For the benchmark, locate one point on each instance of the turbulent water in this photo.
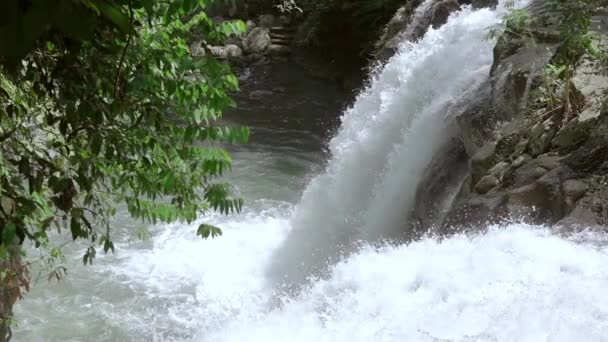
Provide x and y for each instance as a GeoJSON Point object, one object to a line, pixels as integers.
{"type": "Point", "coordinates": [324, 237]}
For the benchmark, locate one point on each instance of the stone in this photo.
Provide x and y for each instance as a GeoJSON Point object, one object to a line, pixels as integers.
{"type": "Point", "coordinates": [476, 213]}
{"type": "Point", "coordinates": [257, 41]}
{"type": "Point", "coordinates": [521, 160]}
{"type": "Point", "coordinates": [534, 169]}
{"type": "Point", "coordinates": [250, 25]}
{"type": "Point", "coordinates": [591, 83]}
{"type": "Point", "coordinates": [442, 10]}
{"type": "Point", "coordinates": [590, 212]}
{"type": "Point", "coordinates": [219, 52]}
{"type": "Point", "coordinates": [500, 170]}
{"type": "Point", "coordinates": [540, 137]}
{"type": "Point", "coordinates": [486, 184]}
{"type": "Point", "coordinates": [233, 51]}
{"type": "Point", "coordinates": [266, 20]}
{"type": "Point", "coordinates": [482, 161]}
{"type": "Point", "coordinates": [573, 190]}
{"type": "Point", "coordinates": [197, 49]}
{"type": "Point", "coordinates": [574, 133]}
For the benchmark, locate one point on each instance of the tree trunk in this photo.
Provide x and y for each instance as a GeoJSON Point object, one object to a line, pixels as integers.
{"type": "Point", "coordinates": [12, 279]}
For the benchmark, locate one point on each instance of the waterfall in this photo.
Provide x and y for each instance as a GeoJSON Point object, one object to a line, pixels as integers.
{"type": "Point", "coordinates": [387, 139]}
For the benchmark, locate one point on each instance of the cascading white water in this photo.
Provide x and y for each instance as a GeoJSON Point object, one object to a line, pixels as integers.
{"type": "Point", "coordinates": [386, 141]}
{"type": "Point", "coordinates": [514, 283]}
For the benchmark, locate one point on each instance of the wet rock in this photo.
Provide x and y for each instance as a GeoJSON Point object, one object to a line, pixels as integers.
{"type": "Point", "coordinates": [500, 170]}
{"type": "Point", "coordinates": [590, 212]}
{"type": "Point", "coordinates": [482, 161]}
{"type": "Point", "coordinates": [442, 10]}
{"type": "Point", "coordinates": [593, 153]}
{"type": "Point", "coordinates": [521, 160]}
{"type": "Point", "coordinates": [573, 190]}
{"type": "Point", "coordinates": [526, 175]}
{"type": "Point", "coordinates": [534, 169]}
{"type": "Point", "coordinates": [486, 184]}
{"type": "Point", "coordinates": [477, 212]}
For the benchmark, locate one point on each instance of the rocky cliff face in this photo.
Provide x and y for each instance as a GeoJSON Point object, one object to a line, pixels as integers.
{"type": "Point", "coordinates": [521, 160]}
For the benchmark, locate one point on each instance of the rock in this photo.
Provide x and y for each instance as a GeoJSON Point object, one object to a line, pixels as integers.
{"type": "Point", "coordinates": [388, 44]}
{"type": "Point", "coordinates": [476, 123]}
{"type": "Point", "coordinates": [527, 203]}
{"type": "Point", "coordinates": [250, 25]}
{"type": "Point", "coordinates": [482, 161]}
{"type": "Point", "coordinates": [573, 190]}
{"type": "Point", "coordinates": [477, 212]}
{"type": "Point", "coordinates": [535, 169]}
{"type": "Point", "coordinates": [541, 136]}
{"type": "Point", "coordinates": [520, 148]}
{"type": "Point", "coordinates": [591, 155]}
{"type": "Point", "coordinates": [499, 170]}
{"type": "Point", "coordinates": [442, 10]}
{"type": "Point", "coordinates": [521, 160]}
{"type": "Point", "coordinates": [257, 41]}
{"type": "Point", "coordinates": [233, 51]}
{"type": "Point", "coordinates": [591, 83]}
{"type": "Point", "coordinates": [197, 49]}
{"type": "Point", "coordinates": [266, 20]}
{"type": "Point", "coordinates": [573, 134]}
{"type": "Point", "coordinates": [527, 175]}
{"type": "Point", "coordinates": [486, 184]}
{"type": "Point", "coordinates": [590, 212]}
{"type": "Point", "coordinates": [229, 51]}
{"type": "Point", "coordinates": [260, 94]}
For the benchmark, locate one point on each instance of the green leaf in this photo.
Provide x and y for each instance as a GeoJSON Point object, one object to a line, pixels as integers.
{"type": "Point", "coordinates": [206, 230]}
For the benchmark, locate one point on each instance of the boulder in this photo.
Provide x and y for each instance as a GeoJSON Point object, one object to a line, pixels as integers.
{"type": "Point", "coordinates": [521, 160]}
{"type": "Point", "coordinates": [257, 41]}
{"type": "Point", "coordinates": [534, 169]}
{"type": "Point", "coordinates": [219, 52]}
{"type": "Point", "coordinates": [541, 135]}
{"type": "Point", "coordinates": [476, 213]}
{"type": "Point", "coordinates": [250, 25]}
{"type": "Point", "coordinates": [482, 161]}
{"type": "Point", "coordinates": [589, 212]}
{"type": "Point", "coordinates": [197, 49]}
{"type": "Point", "coordinates": [233, 51]}
{"type": "Point", "coordinates": [486, 184]}
{"type": "Point", "coordinates": [442, 10]}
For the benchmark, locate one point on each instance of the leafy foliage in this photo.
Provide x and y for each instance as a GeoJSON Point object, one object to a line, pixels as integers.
{"type": "Point", "coordinates": [102, 103]}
